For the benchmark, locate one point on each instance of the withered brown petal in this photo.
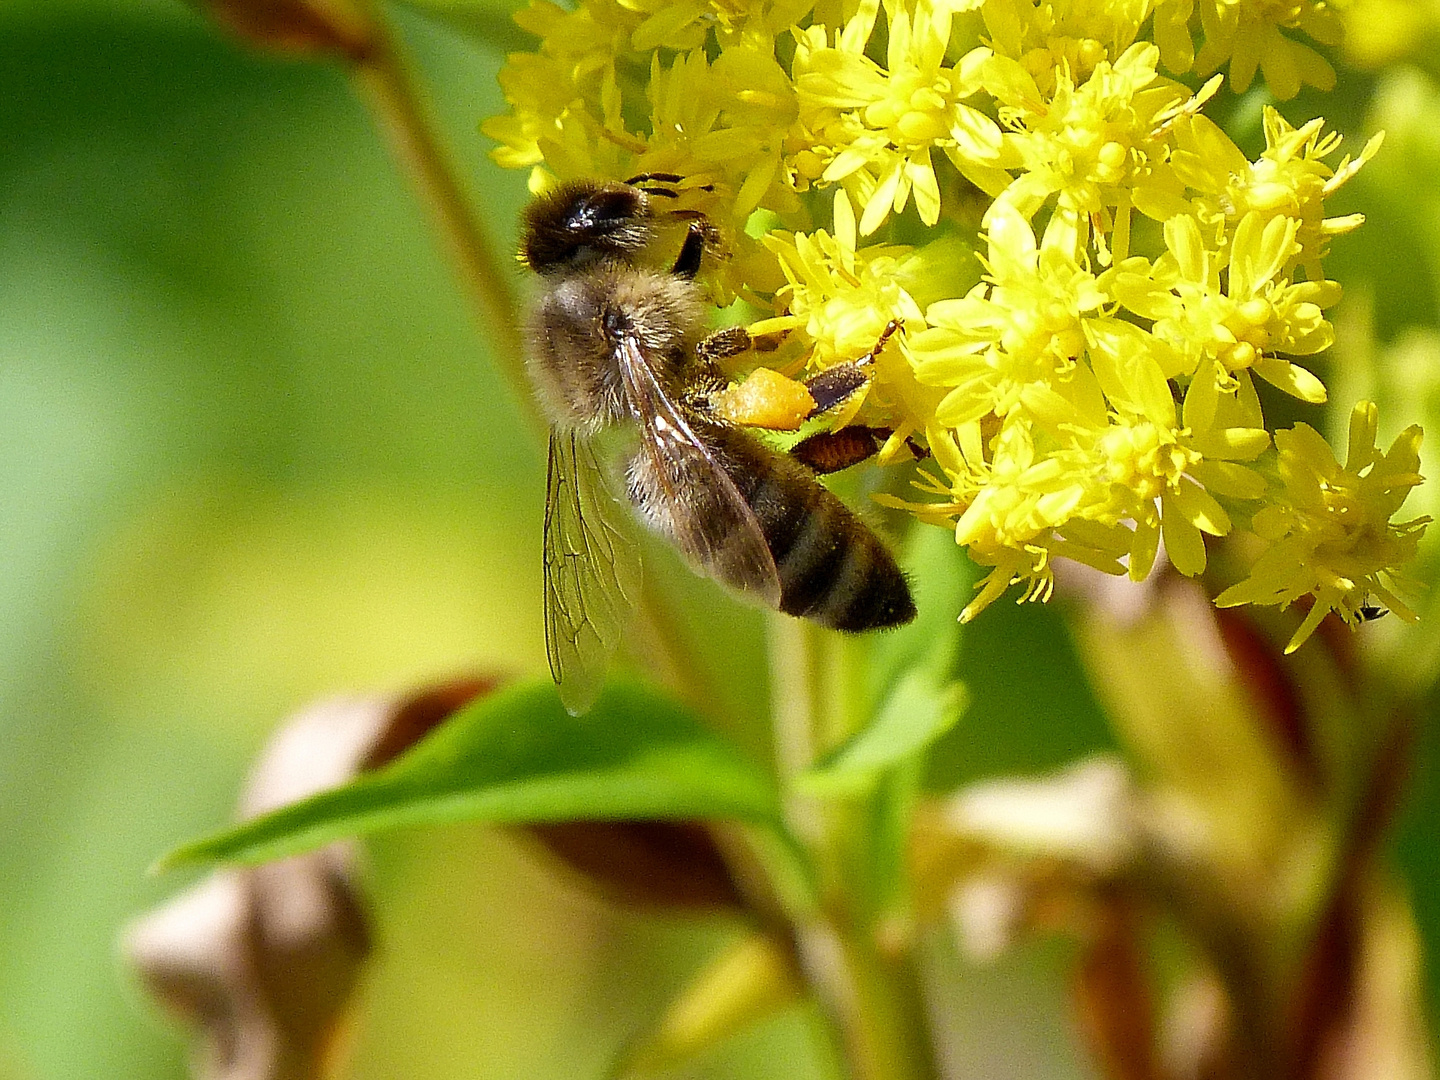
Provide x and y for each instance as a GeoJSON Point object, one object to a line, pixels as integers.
{"type": "Point", "coordinates": [420, 713]}
{"type": "Point", "coordinates": [1113, 995]}
{"type": "Point", "coordinates": [262, 960]}
{"type": "Point", "coordinates": [646, 864]}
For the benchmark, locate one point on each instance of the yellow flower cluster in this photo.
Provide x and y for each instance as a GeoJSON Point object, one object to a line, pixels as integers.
{"type": "Point", "coordinates": [1089, 273]}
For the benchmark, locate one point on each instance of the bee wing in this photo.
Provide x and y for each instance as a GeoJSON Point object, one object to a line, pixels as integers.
{"type": "Point", "coordinates": [591, 571]}
{"type": "Point", "coordinates": [708, 518]}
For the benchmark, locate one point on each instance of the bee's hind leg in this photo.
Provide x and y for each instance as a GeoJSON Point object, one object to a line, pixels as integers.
{"type": "Point", "coordinates": [831, 451]}
{"type": "Point", "coordinates": [708, 379]}
{"type": "Point", "coordinates": [836, 384]}
{"type": "Point", "coordinates": [722, 344]}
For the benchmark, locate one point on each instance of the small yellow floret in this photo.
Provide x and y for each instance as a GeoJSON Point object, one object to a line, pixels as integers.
{"type": "Point", "coordinates": [1331, 527]}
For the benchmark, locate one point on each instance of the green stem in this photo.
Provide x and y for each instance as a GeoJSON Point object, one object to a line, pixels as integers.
{"type": "Point", "coordinates": [871, 997]}
{"type": "Point", "coordinates": [793, 679]}
{"type": "Point", "coordinates": [383, 81]}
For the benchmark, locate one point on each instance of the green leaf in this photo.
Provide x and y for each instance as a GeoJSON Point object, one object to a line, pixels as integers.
{"type": "Point", "coordinates": [517, 757]}
{"type": "Point", "coordinates": [754, 978]}
{"type": "Point", "coordinates": [911, 677]}
{"type": "Point", "coordinates": [943, 578]}
{"type": "Point", "coordinates": [918, 711]}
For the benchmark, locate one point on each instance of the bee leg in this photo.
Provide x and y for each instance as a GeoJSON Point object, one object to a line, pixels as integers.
{"type": "Point", "coordinates": [706, 379]}
{"type": "Point", "coordinates": [769, 342]}
{"type": "Point", "coordinates": [731, 341]}
{"type": "Point", "coordinates": [892, 328]}
{"type": "Point", "coordinates": [836, 384]}
{"type": "Point", "coordinates": [687, 263]}
{"type": "Point", "coordinates": [831, 451]}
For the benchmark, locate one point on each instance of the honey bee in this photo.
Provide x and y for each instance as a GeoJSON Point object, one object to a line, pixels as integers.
{"type": "Point", "coordinates": [614, 343]}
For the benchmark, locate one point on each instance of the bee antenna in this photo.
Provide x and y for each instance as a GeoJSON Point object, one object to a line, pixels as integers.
{"type": "Point", "coordinates": [654, 177]}
{"type": "Point", "coordinates": [646, 182]}
{"type": "Point", "coordinates": [893, 327]}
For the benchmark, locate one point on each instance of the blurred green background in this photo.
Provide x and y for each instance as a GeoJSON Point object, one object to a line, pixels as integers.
{"type": "Point", "coordinates": [253, 451]}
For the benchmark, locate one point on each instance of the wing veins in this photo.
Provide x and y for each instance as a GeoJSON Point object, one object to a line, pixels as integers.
{"type": "Point", "coordinates": [586, 563]}
{"type": "Point", "coordinates": [742, 558]}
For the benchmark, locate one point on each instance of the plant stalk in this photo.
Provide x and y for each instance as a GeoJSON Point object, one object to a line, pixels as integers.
{"type": "Point", "coordinates": [870, 996]}
{"type": "Point", "coordinates": [383, 81]}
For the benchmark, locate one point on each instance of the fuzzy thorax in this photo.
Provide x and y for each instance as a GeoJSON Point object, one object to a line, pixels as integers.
{"type": "Point", "coordinates": [576, 332]}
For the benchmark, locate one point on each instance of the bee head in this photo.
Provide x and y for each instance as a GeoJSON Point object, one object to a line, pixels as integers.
{"type": "Point", "coordinates": [582, 222]}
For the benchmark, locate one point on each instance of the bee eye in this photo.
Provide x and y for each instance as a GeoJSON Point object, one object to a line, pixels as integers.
{"type": "Point", "coordinates": [583, 222]}
{"type": "Point", "coordinates": [603, 213]}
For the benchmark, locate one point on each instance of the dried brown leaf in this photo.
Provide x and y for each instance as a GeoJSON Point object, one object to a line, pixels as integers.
{"type": "Point", "coordinates": [645, 864]}
{"type": "Point", "coordinates": [262, 960]}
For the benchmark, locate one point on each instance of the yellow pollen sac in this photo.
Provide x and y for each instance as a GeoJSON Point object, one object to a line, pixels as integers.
{"type": "Point", "coordinates": [882, 114]}
{"type": "Point", "coordinates": [1175, 463]}
{"type": "Point", "coordinates": [1038, 61]}
{"type": "Point", "coordinates": [766, 399]}
{"type": "Point", "coordinates": [1055, 317]}
{"type": "Point", "coordinates": [1119, 463]}
{"type": "Point", "coordinates": [1090, 53]}
{"type": "Point", "coordinates": [927, 99]}
{"type": "Point", "coordinates": [1270, 196]}
{"type": "Point", "coordinates": [921, 127]}
{"type": "Point", "coordinates": [1240, 355]}
{"type": "Point", "coordinates": [1255, 311]}
{"type": "Point", "coordinates": [760, 99]}
{"type": "Point", "coordinates": [1124, 474]}
{"type": "Point", "coordinates": [1112, 157]}
{"type": "Point", "coordinates": [1257, 336]}
{"type": "Point", "coordinates": [809, 164]}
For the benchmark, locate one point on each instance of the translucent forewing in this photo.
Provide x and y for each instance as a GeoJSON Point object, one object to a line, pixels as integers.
{"type": "Point", "coordinates": [703, 511]}
{"type": "Point", "coordinates": [591, 571]}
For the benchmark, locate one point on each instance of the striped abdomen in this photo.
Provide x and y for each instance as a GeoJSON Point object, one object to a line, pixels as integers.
{"type": "Point", "coordinates": [833, 569]}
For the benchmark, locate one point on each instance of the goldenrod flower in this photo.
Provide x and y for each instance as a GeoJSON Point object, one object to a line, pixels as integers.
{"type": "Point", "coordinates": [1247, 34]}
{"type": "Point", "coordinates": [1290, 178]}
{"type": "Point", "coordinates": [1021, 330]}
{"type": "Point", "coordinates": [1329, 527]}
{"type": "Point", "coordinates": [875, 127]}
{"type": "Point", "coordinates": [1086, 145]}
{"type": "Point", "coordinates": [685, 24]}
{"type": "Point", "coordinates": [1250, 321]}
{"type": "Point", "coordinates": [979, 172]}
